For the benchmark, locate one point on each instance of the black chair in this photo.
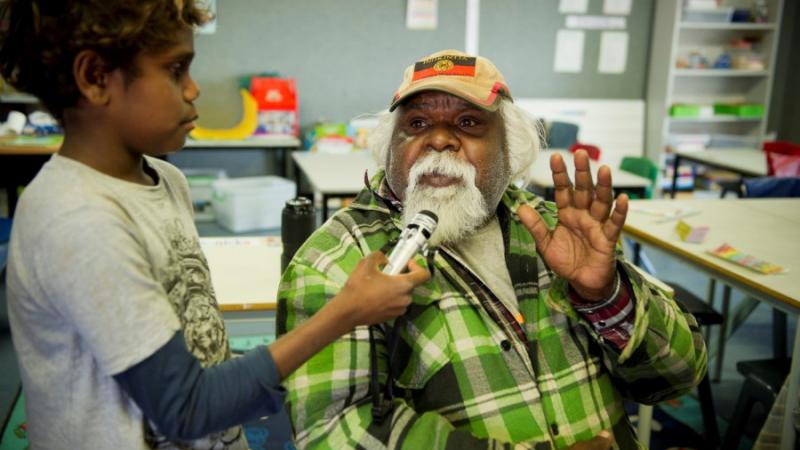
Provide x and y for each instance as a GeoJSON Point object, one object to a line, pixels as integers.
{"type": "Point", "coordinates": [705, 316]}
{"type": "Point", "coordinates": [762, 381]}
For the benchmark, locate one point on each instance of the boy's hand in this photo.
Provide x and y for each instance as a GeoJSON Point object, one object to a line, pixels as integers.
{"type": "Point", "coordinates": [371, 297]}
{"type": "Point", "coordinates": [602, 441]}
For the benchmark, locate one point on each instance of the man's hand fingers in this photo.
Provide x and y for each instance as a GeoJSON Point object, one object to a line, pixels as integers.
{"type": "Point", "coordinates": [561, 182]}
{"type": "Point", "coordinates": [603, 195]}
{"type": "Point", "coordinates": [584, 187]}
{"type": "Point", "coordinates": [613, 226]}
{"type": "Point", "coordinates": [534, 223]}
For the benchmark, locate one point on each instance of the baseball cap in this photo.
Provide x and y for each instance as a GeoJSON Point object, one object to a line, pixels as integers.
{"type": "Point", "coordinates": [473, 78]}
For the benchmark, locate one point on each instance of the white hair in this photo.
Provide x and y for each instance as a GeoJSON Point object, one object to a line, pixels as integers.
{"type": "Point", "coordinates": [523, 138]}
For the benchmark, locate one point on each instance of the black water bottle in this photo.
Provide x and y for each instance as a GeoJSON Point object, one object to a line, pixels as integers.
{"type": "Point", "coordinates": [297, 224]}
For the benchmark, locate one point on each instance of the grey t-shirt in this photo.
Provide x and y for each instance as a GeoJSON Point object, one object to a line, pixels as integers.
{"type": "Point", "coordinates": [101, 273]}
{"type": "Point", "coordinates": [484, 253]}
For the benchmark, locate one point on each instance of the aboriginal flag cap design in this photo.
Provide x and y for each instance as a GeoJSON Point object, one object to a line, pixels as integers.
{"type": "Point", "coordinates": [473, 78]}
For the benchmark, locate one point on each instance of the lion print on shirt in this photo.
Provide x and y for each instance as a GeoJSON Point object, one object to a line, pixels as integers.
{"type": "Point", "coordinates": [187, 281]}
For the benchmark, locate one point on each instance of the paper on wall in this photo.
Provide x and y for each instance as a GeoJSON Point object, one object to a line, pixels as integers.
{"type": "Point", "coordinates": [209, 27]}
{"type": "Point", "coordinates": [573, 6]}
{"type": "Point", "coordinates": [569, 51]}
{"type": "Point", "coordinates": [613, 52]}
{"type": "Point", "coordinates": [621, 7]}
{"type": "Point", "coordinates": [422, 14]}
{"type": "Point", "coordinates": [596, 22]}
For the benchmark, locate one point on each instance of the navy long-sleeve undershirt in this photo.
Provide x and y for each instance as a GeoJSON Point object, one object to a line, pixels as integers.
{"type": "Point", "coordinates": [186, 401]}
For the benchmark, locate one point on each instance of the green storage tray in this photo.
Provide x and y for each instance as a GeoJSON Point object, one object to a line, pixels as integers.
{"type": "Point", "coordinates": [682, 110]}
{"type": "Point", "coordinates": [739, 109]}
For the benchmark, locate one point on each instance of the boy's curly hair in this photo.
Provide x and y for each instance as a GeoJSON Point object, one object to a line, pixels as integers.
{"type": "Point", "coordinates": [40, 39]}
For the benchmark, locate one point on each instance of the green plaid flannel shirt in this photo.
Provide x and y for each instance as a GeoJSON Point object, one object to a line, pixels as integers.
{"type": "Point", "coordinates": [465, 380]}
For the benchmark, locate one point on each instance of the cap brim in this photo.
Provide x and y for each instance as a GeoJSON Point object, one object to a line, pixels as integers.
{"type": "Point", "coordinates": [458, 88]}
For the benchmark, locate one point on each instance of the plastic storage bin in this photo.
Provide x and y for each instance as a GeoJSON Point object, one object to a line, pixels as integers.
{"type": "Point", "coordinates": [718, 15]}
{"type": "Point", "coordinates": [251, 203]}
{"type": "Point", "coordinates": [689, 110]}
{"type": "Point", "coordinates": [751, 110]}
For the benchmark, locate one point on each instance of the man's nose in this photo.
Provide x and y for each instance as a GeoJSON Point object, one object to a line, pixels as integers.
{"type": "Point", "coordinates": [442, 139]}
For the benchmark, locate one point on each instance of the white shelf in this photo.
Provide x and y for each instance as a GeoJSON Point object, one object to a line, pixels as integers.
{"type": "Point", "coordinates": [673, 38]}
{"type": "Point", "coordinates": [720, 73]}
{"type": "Point", "coordinates": [727, 26]}
{"type": "Point", "coordinates": [715, 119]}
{"type": "Point", "coordinates": [18, 98]}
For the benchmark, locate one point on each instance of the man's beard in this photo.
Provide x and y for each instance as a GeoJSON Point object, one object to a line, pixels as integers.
{"type": "Point", "coordinates": [461, 207]}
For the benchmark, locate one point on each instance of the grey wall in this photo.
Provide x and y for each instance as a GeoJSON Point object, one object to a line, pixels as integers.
{"type": "Point", "coordinates": [784, 111]}
{"type": "Point", "coordinates": [519, 36]}
{"type": "Point", "coordinates": [348, 55]}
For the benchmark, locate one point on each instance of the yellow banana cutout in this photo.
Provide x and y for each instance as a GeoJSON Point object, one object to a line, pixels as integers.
{"type": "Point", "coordinates": [244, 129]}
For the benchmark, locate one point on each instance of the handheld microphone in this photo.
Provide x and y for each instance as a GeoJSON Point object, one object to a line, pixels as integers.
{"type": "Point", "coordinates": [412, 240]}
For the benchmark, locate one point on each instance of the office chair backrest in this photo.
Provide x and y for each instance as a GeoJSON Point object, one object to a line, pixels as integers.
{"type": "Point", "coordinates": [772, 187]}
{"type": "Point", "coordinates": [644, 167]}
{"type": "Point", "coordinates": [592, 150]}
{"type": "Point", "coordinates": [562, 135]}
{"type": "Point", "coordinates": [783, 158]}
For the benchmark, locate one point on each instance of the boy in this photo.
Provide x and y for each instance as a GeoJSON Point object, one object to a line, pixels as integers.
{"type": "Point", "coordinates": [119, 337]}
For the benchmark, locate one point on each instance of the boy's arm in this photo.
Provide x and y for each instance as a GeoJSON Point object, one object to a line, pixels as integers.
{"type": "Point", "coordinates": [368, 297]}
{"type": "Point", "coordinates": [186, 401]}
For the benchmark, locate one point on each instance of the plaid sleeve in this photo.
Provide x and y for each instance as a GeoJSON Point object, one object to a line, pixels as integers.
{"type": "Point", "coordinates": [612, 318]}
{"type": "Point", "coordinates": [666, 354]}
{"type": "Point", "coordinates": [329, 397]}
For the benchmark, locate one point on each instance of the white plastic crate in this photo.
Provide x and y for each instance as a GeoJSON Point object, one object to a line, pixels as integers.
{"type": "Point", "coordinates": [718, 15]}
{"type": "Point", "coordinates": [251, 203]}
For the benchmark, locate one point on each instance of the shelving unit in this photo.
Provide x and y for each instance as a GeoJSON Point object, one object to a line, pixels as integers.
{"type": "Point", "coordinates": [668, 85]}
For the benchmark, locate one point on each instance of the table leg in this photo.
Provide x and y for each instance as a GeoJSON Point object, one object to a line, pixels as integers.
{"type": "Point", "coordinates": [712, 288]}
{"type": "Point", "coordinates": [778, 333]}
{"type": "Point", "coordinates": [12, 199]}
{"type": "Point", "coordinates": [723, 330]}
{"type": "Point", "coordinates": [645, 424]}
{"type": "Point", "coordinates": [675, 161]}
{"type": "Point", "coordinates": [325, 199]}
{"type": "Point", "coordinates": [788, 433]}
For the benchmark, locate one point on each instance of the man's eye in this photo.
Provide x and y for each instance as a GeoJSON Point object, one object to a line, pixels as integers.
{"type": "Point", "coordinates": [467, 122]}
{"type": "Point", "coordinates": [417, 123]}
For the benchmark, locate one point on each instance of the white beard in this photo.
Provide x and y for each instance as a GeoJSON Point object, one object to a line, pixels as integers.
{"type": "Point", "coordinates": [461, 207]}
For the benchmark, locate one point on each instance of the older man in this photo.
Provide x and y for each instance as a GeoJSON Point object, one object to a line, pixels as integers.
{"type": "Point", "coordinates": [532, 328]}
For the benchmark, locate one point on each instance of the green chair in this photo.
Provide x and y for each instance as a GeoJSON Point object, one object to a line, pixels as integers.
{"type": "Point", "coordinates": [643, 167]}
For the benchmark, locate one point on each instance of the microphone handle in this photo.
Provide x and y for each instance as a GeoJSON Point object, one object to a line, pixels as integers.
{"type": "Point", "coordinates": [405, 250]}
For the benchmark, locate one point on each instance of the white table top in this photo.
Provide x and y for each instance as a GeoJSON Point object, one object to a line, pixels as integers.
{"type": "Point", "coordinates": [336, 173]}
{"type": "Point", "coordinates": [764, 228]}
{"type": "Point", "coordinates": [245, 271]}
{"type": "Point", "coordinates": [261, 141]}
{"type": "Point", "coordinates": [746, 161]}
{"type": "Point", "coordinates": [541, 176]}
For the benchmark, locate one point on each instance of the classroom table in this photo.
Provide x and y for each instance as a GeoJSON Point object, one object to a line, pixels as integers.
{"type": "Point", "coordinates": [245, 273]}
{"type": "Point", "coordinates": [267, 143]}
{"type": "Point", "coordinates": [334, 175]}
{"type": "Point", "coordinates": [540, 175]}
{"type": "Point", "coordinates": [764, 228]}
{"type": "Point", "coordinates": [746, 162]}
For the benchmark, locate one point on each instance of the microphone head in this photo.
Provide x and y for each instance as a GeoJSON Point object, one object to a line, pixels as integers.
{"type": "Point", "coordinates": [430, 214]}
{"type": "Point", "coordinates": [426, 221]}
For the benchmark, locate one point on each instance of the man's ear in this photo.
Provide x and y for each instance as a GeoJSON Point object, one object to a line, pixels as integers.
{"type": "Point", "coordinates": [92, 75]}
